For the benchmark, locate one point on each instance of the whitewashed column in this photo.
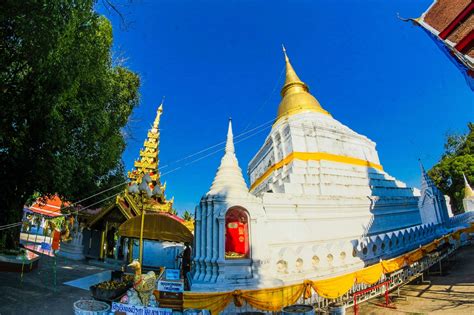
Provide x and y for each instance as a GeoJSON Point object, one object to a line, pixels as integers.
{"type": "Point", "coordinates": [210, 209]}
{"type": "Point", "coordinates": [203, 240]}
{"type": "Point", "coordinates": [221, 248]}
{"type": "Point", "coordinates": [215, 247]}
{"type": "Point", "coordinates": [197, 242]}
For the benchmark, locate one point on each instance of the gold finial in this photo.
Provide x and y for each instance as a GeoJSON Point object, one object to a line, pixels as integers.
{"type": "Point", "coordinates": [158, 115]}
{"type": "Point", "coordinates": [291, 77]}
{"type": "Point", "coordinates": [295, 94]}
{"type": "Point", "coordinates": [284, 52]}
{"type": "Point", "coordinates": [160, 108]}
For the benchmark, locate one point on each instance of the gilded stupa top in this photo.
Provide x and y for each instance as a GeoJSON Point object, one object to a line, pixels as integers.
{"type": "Point", "coordinates": [295, 95]}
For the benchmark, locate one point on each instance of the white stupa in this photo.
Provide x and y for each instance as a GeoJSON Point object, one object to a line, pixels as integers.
{"type": "Point", "coordinates": [319, 204]}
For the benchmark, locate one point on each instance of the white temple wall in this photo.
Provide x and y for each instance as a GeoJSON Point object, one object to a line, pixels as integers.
{"type": "Point", "coordinates": [296, 262]}
{"type": "Point", "coordinates": [211, 268]}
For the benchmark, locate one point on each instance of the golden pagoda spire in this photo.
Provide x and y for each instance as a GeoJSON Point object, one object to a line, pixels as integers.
{"type": "Point", "coordinates": [291, 77]}
{"type": "Point", "coordinates": [148, 161]}
{"type": "Point", "coordinates": [295, 94]}
{"type": "Point", "coordinates": [158, 115]}
{"type": "Point", "coordinates": [146, 173]}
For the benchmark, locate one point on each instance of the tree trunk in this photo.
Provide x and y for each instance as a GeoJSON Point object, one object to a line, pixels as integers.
{"type": "Point", "coordinates": [11, 212]}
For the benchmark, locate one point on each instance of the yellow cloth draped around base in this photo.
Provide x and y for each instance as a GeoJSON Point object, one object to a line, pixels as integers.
{"type": "Point", "coordinates": [369, 275]}
{"type": "Point", "coordinates": [393, 264]}
{"type": "Point", "coordinates": [214, 302]}
{"type": "Point", "coordinates": [430, 247]}
{"type": "Point", "coordinates": [456, 235]}
{"type": "Point", "coordinates": [334, 287]}
{"type": "Point", "coordinates": [414, 256]}
{"type": "Point", "coordinates": [273, 299]}
{"type": "Point", "coordinates": [469, 229]}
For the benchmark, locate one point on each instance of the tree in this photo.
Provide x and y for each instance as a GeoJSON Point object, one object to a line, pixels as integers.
{"type": "Point", "coordinates": [187, 216]}
{"type": "Point", "coordinates": [63, 103]}
{"type": "Point", "coordinates": [457, 159]}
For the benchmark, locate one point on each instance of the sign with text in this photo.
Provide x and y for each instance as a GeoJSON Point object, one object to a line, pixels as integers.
{"type": "Point", "coordinates": [140, 310]}
{"type": "Point", "coordinates": [170, 286]}
{"type": "Point", "coordinates": [172, 274]}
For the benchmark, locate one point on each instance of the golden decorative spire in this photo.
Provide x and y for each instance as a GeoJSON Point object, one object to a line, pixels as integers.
{"type": "Point", "coordinates": [295, 95]}
{"type": "Point", "coordinates": [291, 77]}
{"type": "Point", "coordinates": [148, 161]}
{"type": "Point", "coordinates": [147, 164]}
{"type": "Point", "coordinates": [158, 115]}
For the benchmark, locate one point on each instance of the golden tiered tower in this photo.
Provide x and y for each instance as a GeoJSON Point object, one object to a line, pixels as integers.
{"type": "Point", "coordinates": [131, 202]}
{"type": "Point", "coordinates": [148, 164]}
{"type": "Point", "coordinates": [143, 195]}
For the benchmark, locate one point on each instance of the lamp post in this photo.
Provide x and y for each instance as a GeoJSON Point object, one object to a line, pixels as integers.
{"type": "Point", "coordinates": [143, 189]}
{"type": "Point", "coordinates": [141, 231]}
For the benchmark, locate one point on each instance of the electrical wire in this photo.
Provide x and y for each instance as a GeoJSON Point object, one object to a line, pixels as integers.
{"type": "Point", "coordinates": [263, 125]}
{"type": "Point", "coordinates": [275, 86]}
{"type": "Point", "coordinates": [214, 152]}
{"type": "Point", "coordinates": [4, 227]}
{"type": "Point", "coordinates": [100, 201]}
{"type": "Point", "coordinates": [99, 193]}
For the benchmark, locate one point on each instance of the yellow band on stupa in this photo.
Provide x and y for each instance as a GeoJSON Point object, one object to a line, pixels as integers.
{"type": "Point", "coordinates": [314, 156]}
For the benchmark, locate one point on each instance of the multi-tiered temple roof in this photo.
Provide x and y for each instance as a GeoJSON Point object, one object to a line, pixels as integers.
{"type": "Point", "coordinates": [145, 172]}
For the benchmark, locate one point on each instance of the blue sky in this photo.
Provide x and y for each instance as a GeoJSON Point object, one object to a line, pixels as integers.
{"type": "Point", "coordinates": [217, 59]}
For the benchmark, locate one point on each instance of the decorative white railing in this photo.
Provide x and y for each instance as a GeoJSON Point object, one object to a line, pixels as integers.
{"type": "Point", "coordinates": [395, 279]}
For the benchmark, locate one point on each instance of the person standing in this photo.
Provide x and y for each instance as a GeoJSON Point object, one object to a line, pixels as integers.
{"type": "Point", "coordinates": [186, 264]}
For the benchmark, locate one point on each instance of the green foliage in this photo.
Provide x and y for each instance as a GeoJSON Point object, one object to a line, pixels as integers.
{"type": "Point", "coordinates": [187, 216]}
{"type": "Point", "coordinates": [457, 159]}
{"type": "Point", "coordinates": [63, 102]}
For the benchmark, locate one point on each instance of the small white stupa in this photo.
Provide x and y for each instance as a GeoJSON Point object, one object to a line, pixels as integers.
{"type": "Point", "coordinates": [228, 193]}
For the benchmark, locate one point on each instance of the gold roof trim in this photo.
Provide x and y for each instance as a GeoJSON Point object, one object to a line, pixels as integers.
{"type": "Point", "coordinates": [161, 227]}
{"type": "Point", "coordinates": [110, 207]}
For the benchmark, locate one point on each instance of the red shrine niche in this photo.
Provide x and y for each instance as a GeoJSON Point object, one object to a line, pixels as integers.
{"type": "Point", "coordinates": [236, 234]}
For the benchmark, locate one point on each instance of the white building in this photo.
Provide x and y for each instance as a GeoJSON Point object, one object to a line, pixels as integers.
{"type": "Point", "coordinates": [319, 204]}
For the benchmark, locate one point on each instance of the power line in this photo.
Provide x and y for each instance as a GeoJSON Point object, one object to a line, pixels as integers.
{"type": "Point", "coordinates": [263, 125]}
{"type": "Point", "coordinates": [214, 152]}
{"type": "Point", "coordinates": [9, 226]}
{"type": "Point", "coordinates": [107, 198]}
{"type": "Point", "coordinates": [275, 86]}
{"type": "Point", "coordinates": [99, 193]}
